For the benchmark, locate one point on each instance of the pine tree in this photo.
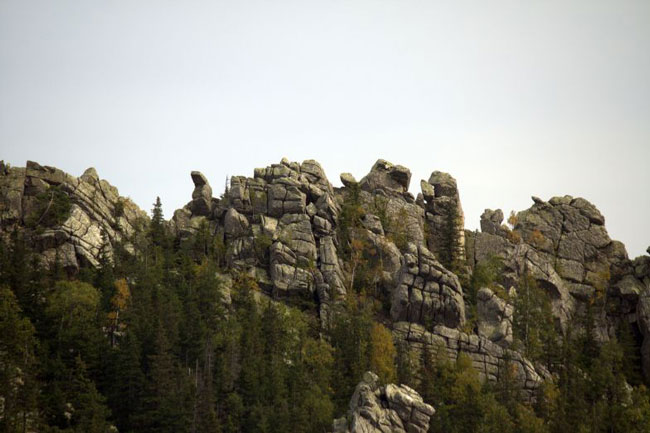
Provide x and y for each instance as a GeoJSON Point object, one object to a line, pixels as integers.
{"type": "Point", "coordinates": [87, 409]}
{"type": "Point", "coordinates": [18, 385]}
{"type": "Point", "coordinates": [157, 227]}
{"type": "Point", "coordinates": [126, 388]}
{"type": "Point", "coordinates": [168, 394]}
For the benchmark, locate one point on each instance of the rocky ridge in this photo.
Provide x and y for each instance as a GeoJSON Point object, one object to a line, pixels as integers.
{"type": "Point", "coordinates": [281, 226]}
{"type": "Point", "coordinates": [96, 217]}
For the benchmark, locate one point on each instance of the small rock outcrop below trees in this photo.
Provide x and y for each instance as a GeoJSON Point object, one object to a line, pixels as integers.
{"type": "Point", "coordinates": [383, 409]}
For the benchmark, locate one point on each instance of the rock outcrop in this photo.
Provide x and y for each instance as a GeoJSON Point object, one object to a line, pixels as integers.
{"type": "Point", "coordinates": [426, 292]}
{"type": "Point", "coordinates": [563, 244]}
{"type": "Point", "coordinates": [494, 317]}
{"type": "Point", "coordinates": [488, 358]}
{"type": "Point", "coordinates": [283, 226]}
{"type": "Point", "coordinates": [279, 225]}
{"type": "Point", "coordinates": [68, 220]}
{"type": "Point", "coordinates": [382, 409]}
{"type": "Point", "coordinates": [445, 217]}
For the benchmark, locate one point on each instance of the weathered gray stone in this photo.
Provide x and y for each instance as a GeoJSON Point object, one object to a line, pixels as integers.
{"type": "Point", "coordinates": [235, 224]}
{"type": "Point", "coordinates": [434, 297]}
{"type": "Point", "coordinates": [96, 209]}
{"type": "Point", "coordinates": [373, 223]}
{"type": "Point", "coordinates": [445, 218]}
{"type": "Point", "coordinates": [428, 192]}
{"type": "Point", "coordinates": [643, 320]}
{"type": "Point", "coordinates": [494, 318]}
{"type": "Point", "coordinates": [386, 176]}
{"type": "Point", "coordinates": [348, 180]}
{"type": "Point", "coordinates": [491, 221]}
{"type": "Point", "coordinates": [383, 409]}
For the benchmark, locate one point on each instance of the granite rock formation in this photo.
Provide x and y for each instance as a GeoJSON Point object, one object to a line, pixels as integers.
{"type": "Point", "coordinates": [68, 220]}
{"type": "Point", "coordinates": [282, 226]}
{"type": "Point", "coordinates": [383, 409]}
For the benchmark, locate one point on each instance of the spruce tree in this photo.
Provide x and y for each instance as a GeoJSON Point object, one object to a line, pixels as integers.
{"type": "Point", "coordinates": [156, 227]}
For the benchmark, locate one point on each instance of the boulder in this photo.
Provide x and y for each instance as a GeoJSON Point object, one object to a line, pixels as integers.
{"type": "Point", "coordinates": [348, 180]}
{"type": "Point", "coordinates": [380, 409]}
{"type": "Point", "coordinates": [201, 204]}
{"type": "Point", "coordinates": [388, 177]}
{"type": "Point", "coordinates": [443, 184]}
{"type": "Point", "coordinates": [491, 222]}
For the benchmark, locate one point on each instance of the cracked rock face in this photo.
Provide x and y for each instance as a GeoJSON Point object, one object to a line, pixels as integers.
{"type": "Point", "coordinates": [564, 245]}
{"type": "Point", "coordinates": [386, 176]}
{"type": "Point", "coordinates": [494, 318]}
{"type": "Point", "coordinates": [426, 292]}
{"type": "Point", "coordinates": [280, 224]}
{"type": "Point", "coordinates": [382, 409]}
{"type": "Point", "coordinates": [488, 357]}
{"type": "Point", "coordinates": [444, 216]}
{"type": "Point", "coordinates": [98, 218]}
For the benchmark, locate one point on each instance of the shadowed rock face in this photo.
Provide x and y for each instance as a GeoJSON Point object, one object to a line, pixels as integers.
{"type": "Point", "coordinates": [564, 245]}
{"type": "Point", "coordinates": [426, 292]}
{"type": "Point", "coordinates": [488, 357]}
{"type": "Point", "coordinates": [380, 409]}
{"type": "Point", "coordinates": [97, 217]}
{"type": "Point", "coordinates": [444, 217]}
{"type": "Point", "coordinates": [388, 177]}
{"type": "Point", "coordinates": [494, 318]}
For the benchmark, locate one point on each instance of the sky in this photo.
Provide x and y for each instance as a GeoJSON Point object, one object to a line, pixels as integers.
{"type": "Point", "coordinates": [512, 98]}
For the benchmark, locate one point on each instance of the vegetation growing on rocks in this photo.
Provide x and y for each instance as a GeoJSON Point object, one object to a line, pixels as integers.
{"type": "Point", "coordinates": [263, 310]}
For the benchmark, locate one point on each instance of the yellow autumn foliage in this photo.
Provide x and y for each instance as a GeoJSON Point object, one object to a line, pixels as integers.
{"type": "Point", "coordinates": [383, 353]}
{"type": "Point", "coordinates": [122, 295]}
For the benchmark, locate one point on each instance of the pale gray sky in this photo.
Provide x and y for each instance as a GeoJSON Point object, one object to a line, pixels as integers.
{"type": "Point", "coordinates": [513, 98]}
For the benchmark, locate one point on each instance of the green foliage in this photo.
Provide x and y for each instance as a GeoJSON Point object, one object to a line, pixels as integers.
{"type": "Point", "coordinates": [118, 208]}
{"type": "Point", "coordinates": [462, 403]}
{"type": "Point", "coordinates": [72, 310]}
{"type": "Point", "coordinates": [157, 230]}
{"type": "Point", "coordinates": [262, 244]}
{"type": "Point", "coordinates": [382, 353]}
{"type": "Point", "coordinates": [350, 335]}
{"type": "Point", "coordinates": [486, 274]}
{"type": "Point", "coordinates": [51, 208]}
{"type": "Point", "coordinates": [533, 325]}
{"type": "Point", "coordinates": [447, 244]}
{"type": "Point", "coordinates": [18, 386]}
{"type": "Point", "coordinates": [349, 219]}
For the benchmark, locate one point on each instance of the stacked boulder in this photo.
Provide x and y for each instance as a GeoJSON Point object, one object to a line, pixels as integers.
{"type": "Point", "coordinates": [381, 409]}
{"type": "Point", "coordinates": [279, 225]}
